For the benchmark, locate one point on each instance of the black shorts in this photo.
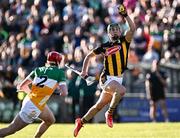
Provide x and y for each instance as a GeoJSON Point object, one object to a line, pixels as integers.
{"type": "Point", "coordinates": [156, 96]}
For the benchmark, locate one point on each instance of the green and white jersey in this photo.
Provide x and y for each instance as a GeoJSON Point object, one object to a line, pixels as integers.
{"type": "Point", "coordinates": [44, 81]}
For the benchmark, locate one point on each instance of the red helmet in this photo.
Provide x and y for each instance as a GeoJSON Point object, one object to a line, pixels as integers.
{"type": "Point", "coordinates": [54, 57]}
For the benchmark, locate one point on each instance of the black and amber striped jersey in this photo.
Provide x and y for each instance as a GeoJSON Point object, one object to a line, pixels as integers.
{"type": "Point", "coordinates": [115, 56]}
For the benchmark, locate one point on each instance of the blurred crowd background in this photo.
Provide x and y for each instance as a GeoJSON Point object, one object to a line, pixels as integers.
{"type": "Point", "coordinates": [29, 29]}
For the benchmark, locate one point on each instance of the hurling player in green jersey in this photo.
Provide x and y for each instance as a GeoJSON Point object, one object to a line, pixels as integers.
{"type": "Point", "coordinates": [44, 81]}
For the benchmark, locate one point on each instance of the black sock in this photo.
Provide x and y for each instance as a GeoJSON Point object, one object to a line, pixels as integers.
{"type": "Point", "coordinates": [83, 120]}
{"type": "Point", "coordinates": [111, 110]}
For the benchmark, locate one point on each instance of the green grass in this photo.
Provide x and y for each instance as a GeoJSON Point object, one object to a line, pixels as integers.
{"type": "Point", "coordinates": [121, 130]}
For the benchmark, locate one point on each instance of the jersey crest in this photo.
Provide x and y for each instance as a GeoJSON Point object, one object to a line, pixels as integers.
{"type": "Point", "coordinates": [112, 50]}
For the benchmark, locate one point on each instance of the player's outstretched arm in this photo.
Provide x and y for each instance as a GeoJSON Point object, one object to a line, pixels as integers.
{"type": "Point", "coordinates": [24, 85]}
{"type": "Point", "coordinates": [85, 64]}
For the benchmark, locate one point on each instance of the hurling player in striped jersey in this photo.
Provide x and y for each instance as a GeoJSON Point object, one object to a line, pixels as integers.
{"type": "Point", "coordinates": [115, 54]}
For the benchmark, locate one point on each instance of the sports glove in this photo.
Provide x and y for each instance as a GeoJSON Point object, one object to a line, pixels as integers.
{"type": "Point", "coordinates": [122, 10]}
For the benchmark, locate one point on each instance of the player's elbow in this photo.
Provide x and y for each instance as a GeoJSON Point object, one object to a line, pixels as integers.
{"type": "Point", "coordinates": [63, 90]}
{"type": "Point", "coordinates": [90, 55]}
{"type": "Point", "coordinates": [133, 28]}
{"type": "Point", "coordinates": [21, 87]}
{"type": "Point", "coordinates": [64, 93]}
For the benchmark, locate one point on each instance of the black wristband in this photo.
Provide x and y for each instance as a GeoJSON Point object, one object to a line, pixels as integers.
{"type": "Point", "coordinates": [85, 77]}
{"type": "Point", "coordinates": [124, 15]}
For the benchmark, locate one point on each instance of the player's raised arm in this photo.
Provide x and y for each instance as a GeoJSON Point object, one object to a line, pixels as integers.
{"type": "Point", "coordinates": [130, 32]}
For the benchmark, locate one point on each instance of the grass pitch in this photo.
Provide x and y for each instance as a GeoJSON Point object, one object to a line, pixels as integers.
{"type": "Point", "coordinates": [120, 130]}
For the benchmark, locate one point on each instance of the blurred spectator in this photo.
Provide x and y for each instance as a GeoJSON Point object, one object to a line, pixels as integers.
{"type": "Point", "coordinates": [78, 36]}
{"type": "Point", "coordinates": [156, 31]}
{"type": "Point", "coordinates": [69, 17]}
{"type": "Point", "coordinates": [33, 24]}
{"type": "Point", "coordinates": [25, 56]}
{"type": "Point", "coordinates": [8, 89]}
{"type": "Point", "coordinates": [97, 27]}
{"type": "Point", "coordinates": [88, 96]}
{"type": "Point", "coordinates": [150, 55]}
{"type": "Point", "coordinates": [140, 43]}
{"type": "Point", "coordinates": [84, 46]}
{"type": "Point", "coordinates": [3, 33]}
{"type": "Point", "coordinates": [67, 47]}
{"type": "Point", "coordinates": [36, 58]}
{"type": "Point", "coordinates": [133, 59]}
{"type": "Point", "coordinates": [22, 73]}
{"type": "Point", "coordinates": [74, 93]}
{"type": "Point", "coordinates": [155, 88]}
{"type": "Point", "coordinates": [78, 57]}
{"type": "Point", "coordinates": [80, 10]}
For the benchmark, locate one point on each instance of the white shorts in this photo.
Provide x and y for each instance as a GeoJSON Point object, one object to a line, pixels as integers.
{"type": "Point", "coordinates": [29, 112]}
{"type": "Point", "coordinates": [109, 79]}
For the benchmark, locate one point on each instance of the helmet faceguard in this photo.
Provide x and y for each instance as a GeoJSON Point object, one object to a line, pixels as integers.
{"type": "Point", "coordinates": [114, 31]}
{"type": "Point", "coordinates": [54, 58]}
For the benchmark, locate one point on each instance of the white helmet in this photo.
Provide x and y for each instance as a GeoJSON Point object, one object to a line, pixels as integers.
{"type": "Point", "coordinates": [114, 31]}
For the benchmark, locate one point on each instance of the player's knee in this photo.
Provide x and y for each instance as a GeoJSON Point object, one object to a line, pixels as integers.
{"type": "Point", "coordinates": [53, 120]}
{"type": "Point", "coordinates": [50, 121]}
{"type": "Point", "coordinates": [121, 91]}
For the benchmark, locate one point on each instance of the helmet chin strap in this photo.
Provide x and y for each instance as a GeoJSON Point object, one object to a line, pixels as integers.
{"type": "Point", "coordinates": [115, 38]}
{"type": "Point", "coordinates": [59, 65]}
